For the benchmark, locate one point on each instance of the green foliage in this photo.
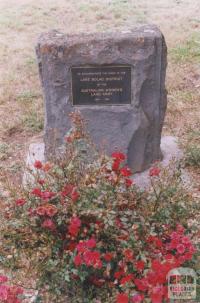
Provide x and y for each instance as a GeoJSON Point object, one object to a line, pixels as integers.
{"type": "Point", "coordinates": [189, 51]}
{"type": "Point", "coordinates": [82, 222]}
{"type": "Point", "coordinates": [192, 157]}
{"type": "Point", "coordinates": [4, 151]}
{"type": "Point", "coordinates": [33, 121]}
{"type": "Point", "coordinates": [27, 96]}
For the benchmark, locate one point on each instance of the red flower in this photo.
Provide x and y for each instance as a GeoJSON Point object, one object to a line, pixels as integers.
{"type": "Point", "coordinates": [74, 226]}
{"type": "Point", "coordinates": [140, 265]}
{"type": "Point", "coordinates": [67, 190]}
{"type": "Point", "coordinates": [14, 291]}
{"type": "Point", "coordinates": [51, 210]}
{"type": "Point", "coordinates": [156, 265]}
{"type": "Point", "coordinates": [108, 257]}
{"type": "Point", "coordinates": [180, 229]}
{"type": "Point", "coordinates": [128, 182]}
{"type": "Point", "coordinates": [91, 243]}
{"type": "Point", "coordinates": [78, 260]}
{"type": "Point", "coordinates": [126, 279]}
{"type": "Point", "coordinates": [92, 258]}
{"type": "Point", "coordinates": [118, 156]}
{"type": "Point", "coordinates": [181, 259]}
{"type": "Point", "coordinates": [122, 298]}
{"type": "Point", "coordinates": [119, 223]}
{"type": "Point", "coordinates": [49, 224]}
{"type": "Point", "coordinates": [188, 256]}
{"type": "Point", "coordinates": [174, 243]}
{"type": "Point", "coordinates": [115, 165]}
{"type": "Point", "coordinates": [41, 181]}
{"type": "Point", "coordinates": [137, 298]}
{"type": "Point", "coordinates": [166, 267]}
{"type": "Point", "coordinates": [47, 166]}
{"type": "Point", "coordinates": [71, 246]}
{"type": "Point", "coordinates": [46, 195]}
{"type": "Point", "coordinates": [118, 274]}
{"type": "Point", "coordinates": [10, 293]}
{"type": "Point", "coordinates": [4, 292]}
{"type": "Point", "coordinates": [158, 242]}
{"type": "Point", "coordinates": [98, 223]}
{"type": "Point", "coordinates": [41, 211]}
{"type": "Point", "coordinates": [180, 248]}
{"type": "Point", "coordinates": [68, 139]}
{"type": "Point", "coordinates": [3, 279]}
{"type": "Point", "coordinates": [152, 277]}
{"type": "Point", "coordinates": [128, 253]}
{"type": "Point", "coordinates": [185, 240]}
{"type": "Point", "coordinates": [20, 202]}
{"type": "Point", "coordinates": [141, 284]}
{"type": "Point", "coordinates": [76, 221]}
{"type": "Point", "coordinates": [75, 195]}
{"type": "Point", "coordinates": [157, 294]}
{"type": "Point", "coordinates": [125, 171]}
{"type": "Point", "coordinates": [154, 172]}
{"type": "Point", "coordinates": [37, 192]}
{"type": "Point", "coordinates": [174, 235]}
{"type": "Point", "coordinates": [97, 282]}
{"type": "Point", "coordinates": [192, 249]}
{"type": "Point", "coordinates": [169, 257]}
{"type": "Point", "coordinates": [73, 230]}
{"type": "Point", "coordinates": [81, 247]}
{"type": "Point", "coordinates": [38, 164]}
{"type": "Point", "coordinates": [150, 239]}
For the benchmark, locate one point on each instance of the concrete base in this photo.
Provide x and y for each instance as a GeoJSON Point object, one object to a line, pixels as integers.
{"type": "Point", "coordinates": [35, 152]}
{"type": "Point", "coordinates": [169, 149]}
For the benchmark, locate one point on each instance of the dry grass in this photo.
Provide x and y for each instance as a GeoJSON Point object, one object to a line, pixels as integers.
{"type": "Point", "coordinates": [21, 22]}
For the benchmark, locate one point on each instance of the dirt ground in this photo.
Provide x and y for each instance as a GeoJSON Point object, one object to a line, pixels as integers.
{"type": "Point", "coordinates": [22, 21]}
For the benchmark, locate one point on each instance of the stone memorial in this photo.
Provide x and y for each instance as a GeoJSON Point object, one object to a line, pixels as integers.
{"type": "Point", "coordinates": [116, 80]}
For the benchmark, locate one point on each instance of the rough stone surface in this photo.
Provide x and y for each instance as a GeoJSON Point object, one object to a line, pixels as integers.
{"type": "Point", "coordinates": [135, 128]}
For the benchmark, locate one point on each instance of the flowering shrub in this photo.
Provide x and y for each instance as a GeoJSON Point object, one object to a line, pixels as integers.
{"type": "Point", "coordinates": [9, 294]}
{"type": "Point", "coordinates": [92, 235]}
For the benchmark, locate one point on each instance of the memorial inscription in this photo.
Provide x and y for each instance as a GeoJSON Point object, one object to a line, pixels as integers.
{"type": "Point", "coordinates": [101, 85]}
{"type": "Point", "coordinates": [115, 80]}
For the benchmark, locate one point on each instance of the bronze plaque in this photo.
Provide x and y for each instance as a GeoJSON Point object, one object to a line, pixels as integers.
{"type": "Point", "coordinates": [101, 85]}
